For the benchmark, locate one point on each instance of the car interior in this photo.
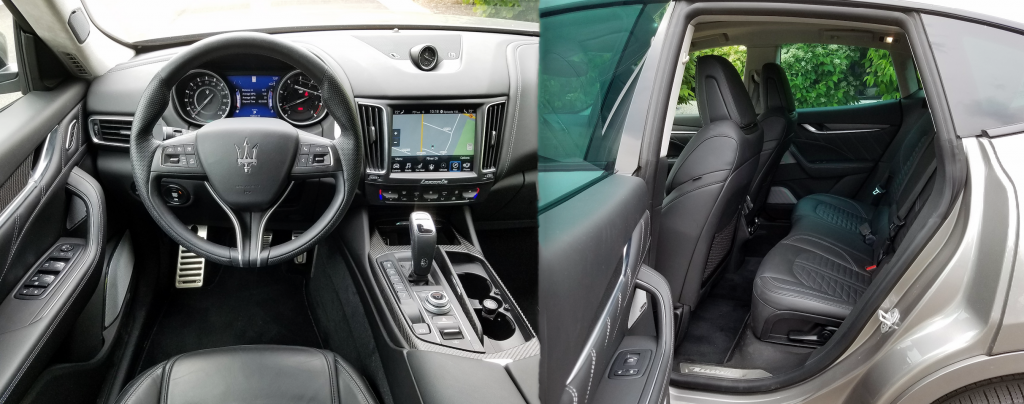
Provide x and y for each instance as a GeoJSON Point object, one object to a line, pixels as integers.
{"type": "Point", "coordinates": [777, 218]}
{"type": "Point", "coordinates": [332, 215]}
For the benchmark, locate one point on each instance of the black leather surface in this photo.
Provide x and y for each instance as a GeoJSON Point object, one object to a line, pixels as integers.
{"type": "Point", "coordinates": [250, 374]}
{"type": "Point", "coordinates": [337, 97]}
{"type": "Point", "coordinates": [581, 253]}
{"type": "Point", "coordinates": [24, 124]}
{"type": "Point", "coordinates": [709, 181]}
{"type": "Point", "coordinates": [721, 95]}
{"type": "Point", "coordinates": [525, 374]}
{"type": "Point", "coordinates": [31, 330]}
{"type": "Point", "coordinates": [779, 124]}
{"type": "Point", "coordinates": [449, 379]}
{"type": "Point", "coordinates": [520, 148]}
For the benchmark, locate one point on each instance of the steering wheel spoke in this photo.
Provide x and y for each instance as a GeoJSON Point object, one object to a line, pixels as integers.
{"type": "Point", "coordinates": [316, 158]}
{"type": "Point", "coordinates": [249, 228]}
{"type": "Point", "coordinates": [178, 158]}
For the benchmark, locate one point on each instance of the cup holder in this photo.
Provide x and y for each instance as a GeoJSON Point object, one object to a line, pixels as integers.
{"type": "Point", "coordinates": [499, 327]}
{"type": "Point", "coordinates": [476, 287]}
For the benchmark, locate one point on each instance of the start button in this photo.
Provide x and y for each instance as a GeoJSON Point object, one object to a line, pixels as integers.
{"type": "Point", "coordinates": [175, 194]}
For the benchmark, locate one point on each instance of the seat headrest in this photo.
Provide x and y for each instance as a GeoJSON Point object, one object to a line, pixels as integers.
{"type": "Point", "coordinates": [721, 95]}
{"type": "Point", "coordinates": [775, 90]}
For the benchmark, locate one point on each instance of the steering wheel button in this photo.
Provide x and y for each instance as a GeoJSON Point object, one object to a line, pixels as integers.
{"type": "Point", "coordinates": [191, 161]}
{"type": "Point", "coordinates": [319, 149]}
{"type": "Point", "coordinates": [189, 148]}
{"type": "Point", "coordinates": [304, 148]}
{"type": "Point", "coordinates": [302, 160]}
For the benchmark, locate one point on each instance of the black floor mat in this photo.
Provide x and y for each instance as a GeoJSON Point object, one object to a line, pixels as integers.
{"type": "Point", "coordinates": [720, 317]}
{"type": "Point", "coordinates": [236, 306]}
{"type": "Point", "coordinates": [513, 255]}
{"type": "Point", "coordinates": [752, 353]}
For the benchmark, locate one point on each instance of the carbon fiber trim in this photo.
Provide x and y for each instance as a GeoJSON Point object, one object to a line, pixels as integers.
{"type": "Point", "coordinates": [379, 248]}
{"type": "Point", "coordinates": [15, 183]}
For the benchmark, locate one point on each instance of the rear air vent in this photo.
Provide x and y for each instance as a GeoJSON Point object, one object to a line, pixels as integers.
{"type": "Point", "coordinates": [76, 64]}
{"type": "Point", "coordinates": [494, 124]}
{"type": "Point", "coordinates": [375, 130]}
{"type": "Point", "coordinates": [111, 130]}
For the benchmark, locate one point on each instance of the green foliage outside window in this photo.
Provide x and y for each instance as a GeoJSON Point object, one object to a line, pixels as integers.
{"type": "Point", "coordinates": [521, 10]}
{"type": "Point", "coordinates": [820, 75]}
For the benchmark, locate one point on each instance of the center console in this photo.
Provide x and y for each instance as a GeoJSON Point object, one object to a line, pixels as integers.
{"type": "Point", "coordinates": [435, 152]}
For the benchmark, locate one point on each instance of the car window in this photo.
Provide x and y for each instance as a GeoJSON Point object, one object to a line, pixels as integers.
{"type": "Point", "coordinates": [828, 75]}
{"type": "Point", "coordinates": [588, 58]}
{"type": "Point", "coordinates": [687, 103]}
{"type": "Point", "coordinates": [7, 95]}
{"type": "Point", "coordinates": [981, 73]}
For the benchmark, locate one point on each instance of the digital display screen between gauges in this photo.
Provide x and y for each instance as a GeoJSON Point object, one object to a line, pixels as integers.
{"type": "Point", "coordinates": [253, 96]}
{"type": "Point", "coordinates": [202, 97]}
{"type": "Point", "coordinates": [298, 99]}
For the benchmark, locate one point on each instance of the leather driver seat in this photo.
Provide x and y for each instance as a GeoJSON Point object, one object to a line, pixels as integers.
{"type": "Point", "coordinates": [250, 374]}
{"type": "Point", "coordinates": [709, 183]}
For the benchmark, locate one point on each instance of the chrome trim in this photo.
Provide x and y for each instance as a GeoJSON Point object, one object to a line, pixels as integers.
{"type": "Point", "coordinates": [683, 132]}
{"type": "Point", "coordinates": [71, 135]}
{"type": "Point", "coordinates": [177, 108]}
{"type": "Point", "coordinates": [234, 221]}
{"type": "Point", "coordinates": [263, 222]}
{"type": "Point", "coordinates": [606, 315]}
{"type": "Point", "coordinates": [37, 175]}
{"type": "Point", "coordinates": [387, 137]}
{"type": "Point", "coordinates": [277, 101]}
{"type": "Point", "coordinates": [97, 140]}
{"type": "Point", "coordinates": [811, 129]}
{"type": "Point", "coordinates": [487, 117]}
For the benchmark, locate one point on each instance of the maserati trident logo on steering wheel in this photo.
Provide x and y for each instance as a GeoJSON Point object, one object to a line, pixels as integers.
{"type": "Point", "coordinates": [244, 159]}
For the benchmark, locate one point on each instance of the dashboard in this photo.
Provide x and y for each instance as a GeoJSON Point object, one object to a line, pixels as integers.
{"type": "Point", "coordinates": [452, 131]}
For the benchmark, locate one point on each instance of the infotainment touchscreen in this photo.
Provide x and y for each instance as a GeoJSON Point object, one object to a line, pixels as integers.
{"type": "Point", "coordinates": [253, 96]}
{"type": "Point", "coordinates": [433, 138]}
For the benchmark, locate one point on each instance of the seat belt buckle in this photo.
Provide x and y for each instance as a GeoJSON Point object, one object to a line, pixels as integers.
{"type": "Point", "coordinates": [869, 268]}
{"type": "Point", "coordinates": [878, 190]}
{"type": "Point", "coordinates": [865, 230]}
{"type": "Point", "coordinates": [895, 225]}
{"type": "Point", "coordinates": [747, 205]}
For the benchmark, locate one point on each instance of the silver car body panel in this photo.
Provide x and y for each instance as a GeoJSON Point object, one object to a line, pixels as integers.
{"type": "Point", "coordinates": [952, 299]}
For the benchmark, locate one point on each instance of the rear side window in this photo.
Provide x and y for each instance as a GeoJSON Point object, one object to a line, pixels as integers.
{"type": "Point", "coordinates": [981, 71]}
{"type": "Point", "coordinates": [588, 58]}
{"type": "Point", "coordinates": [827, 75]}
{"type": "Point", "coordinates": [8, 92]}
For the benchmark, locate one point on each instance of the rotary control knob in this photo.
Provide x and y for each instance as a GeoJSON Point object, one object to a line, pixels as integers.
{"type": "Point", "coordinates": [490, 307]}
{"type": "Point", "coordinates": [437, 303]}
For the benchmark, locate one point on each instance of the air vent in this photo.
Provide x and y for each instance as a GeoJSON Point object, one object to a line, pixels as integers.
{"type": "Point", "coordinates": [494, 125]}
{"type": "Point", "coordinates": [375, 130]}
{"type": "Point", "coordinates": [111, 130]}
{"type": "Point", "coordinates": [76, 64]}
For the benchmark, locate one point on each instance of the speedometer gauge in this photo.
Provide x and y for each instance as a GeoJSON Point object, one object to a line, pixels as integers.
{"type": "Point", "coordinates": [299, 100]}
{"type": "Point", "coordinates": [202, 97]}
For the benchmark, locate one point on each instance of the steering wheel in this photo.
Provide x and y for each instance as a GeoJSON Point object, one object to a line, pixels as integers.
{"type": "Point", "coordinates": [248, 164]}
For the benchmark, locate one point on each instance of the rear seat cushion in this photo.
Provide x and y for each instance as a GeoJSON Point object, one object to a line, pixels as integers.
{"type": "Point", "coordinates": [807, 277]}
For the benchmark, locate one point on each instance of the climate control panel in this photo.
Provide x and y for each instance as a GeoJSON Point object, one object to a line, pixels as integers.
{"type": "Point", "coordinates": [449, 194]}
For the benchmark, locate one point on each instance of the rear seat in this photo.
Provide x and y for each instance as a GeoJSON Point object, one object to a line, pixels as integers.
{"type": "Point", "coordinates": [813, 278]}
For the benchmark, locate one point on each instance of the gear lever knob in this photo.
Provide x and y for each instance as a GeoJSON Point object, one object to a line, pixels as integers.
{"type": "Point", "coordinates": [424, 239]}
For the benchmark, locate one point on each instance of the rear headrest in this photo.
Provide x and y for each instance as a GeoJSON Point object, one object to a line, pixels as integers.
{"type": "Point", "coordinates": [775, 91]}
{"type": "Point", "coordinates": [721, 95]}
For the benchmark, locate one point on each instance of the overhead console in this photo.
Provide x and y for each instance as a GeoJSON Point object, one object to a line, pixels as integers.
{"type": "Point", "coordinates": [442, 152]}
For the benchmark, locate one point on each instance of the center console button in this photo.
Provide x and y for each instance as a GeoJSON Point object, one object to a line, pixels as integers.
{"type": "Point", "coordinates": [421, 328]}
{"type": "Point", "coordinates": [437, 303]}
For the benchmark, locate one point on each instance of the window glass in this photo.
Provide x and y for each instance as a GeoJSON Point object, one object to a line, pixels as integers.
{"type": "Point", "coordinates": [587, 60]}
{"type": "Point", "coordinates": [7, 52]}
{"type": "Point", "coordinates": [825, 75]}
{"type": "Point", "coordinates": [687, 104]}
{"type": "Point", "coordinates": [981, 73]}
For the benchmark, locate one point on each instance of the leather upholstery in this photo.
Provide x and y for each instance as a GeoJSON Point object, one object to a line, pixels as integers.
{"type": "Point", "coordinates": [778, 120]}
{"type": "Point", "coordinates": [816, 275]}
{"type": "Point", "coordinates": [250, 374]}
{"type": "Point", "coordinates": [709, 181]}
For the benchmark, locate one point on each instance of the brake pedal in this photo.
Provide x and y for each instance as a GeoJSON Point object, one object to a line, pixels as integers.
{"type": "Point", "coordinates": [190, 265]}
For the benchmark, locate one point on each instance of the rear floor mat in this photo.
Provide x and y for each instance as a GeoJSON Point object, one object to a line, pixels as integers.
{"type": "Point", "coordinates": [236, 306]}
{"type": "Point", "coordinates": [752, 353]}
{"type": "Point", "coordinates": [720, 317]}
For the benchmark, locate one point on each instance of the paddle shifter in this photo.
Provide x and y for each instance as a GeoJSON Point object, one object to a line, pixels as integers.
{"type": "Point", "coordinates": [424, 239]}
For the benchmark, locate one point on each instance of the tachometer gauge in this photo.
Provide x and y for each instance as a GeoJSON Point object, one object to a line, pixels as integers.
{"type": "Point", "coordinates": [298, 99]}
{"type": "Point", "coordinates": [202, 97]}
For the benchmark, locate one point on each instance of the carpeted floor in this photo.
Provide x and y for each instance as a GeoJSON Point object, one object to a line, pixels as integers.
{"type": "Point", "coordinates": [720, 317]}
{"type": "Point", "coordinates": [235, 306]}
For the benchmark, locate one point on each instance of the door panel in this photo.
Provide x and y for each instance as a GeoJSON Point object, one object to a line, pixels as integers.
{"type": "Point", "coordinates": [591, 251]}
{"type": "Point", "coordinates": [39, 164]}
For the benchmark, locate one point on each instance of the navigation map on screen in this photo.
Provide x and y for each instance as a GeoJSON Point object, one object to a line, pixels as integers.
{"type": "Point", "coordinates": [438, 139]}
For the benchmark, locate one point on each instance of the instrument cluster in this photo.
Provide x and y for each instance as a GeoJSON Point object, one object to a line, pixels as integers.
{"type": "Point", "coordinates": [203, 96]}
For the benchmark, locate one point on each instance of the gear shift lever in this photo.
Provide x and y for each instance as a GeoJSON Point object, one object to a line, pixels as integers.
{"type": "Point", "coordinates": [424, 239]}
